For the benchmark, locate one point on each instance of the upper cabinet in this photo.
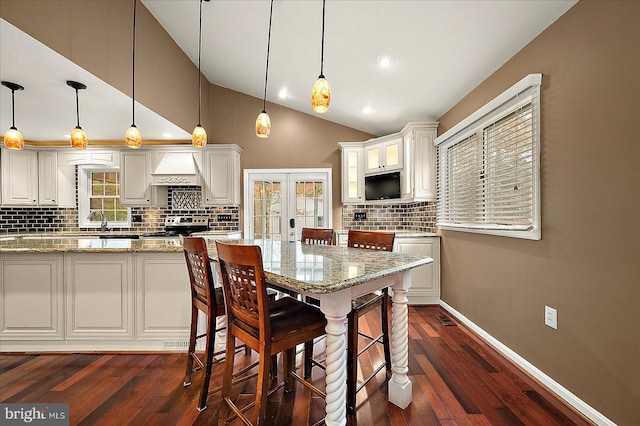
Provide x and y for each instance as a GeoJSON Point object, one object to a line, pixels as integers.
{"type": "Point", "coordinates": [410, 151]}
{"type": "Point", "coordinates": [35, 178]}
{"type": "Point", "coordinates": [135, 181]}
{"type": "Point", "coordinates": [221, 186]}
{"type": "Point", "coordinates": [383, 154]}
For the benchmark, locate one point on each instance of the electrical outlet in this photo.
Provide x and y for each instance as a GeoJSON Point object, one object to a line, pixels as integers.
{"type": "Point", "coordinates": [360, 216]}
{"type": "Point", "coordinates": [136, 218]}
{"type": "Point", "coordinates": [551, 317]}
{"type": "Point", "coordinates": [224, 218]}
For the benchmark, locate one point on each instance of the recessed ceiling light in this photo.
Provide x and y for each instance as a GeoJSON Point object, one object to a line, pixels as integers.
{"type": "Point", "coordinates": [367, 109]}
{"type": "Point", "coordinates": [283, 94]}
{"type": "Point", "coordinates": [166, 135]}
{"type": "Point", "coordinates": [385, 61]}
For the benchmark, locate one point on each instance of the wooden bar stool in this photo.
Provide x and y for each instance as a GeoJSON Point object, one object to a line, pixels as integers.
{"type": "Point", "coordinates": [368, 240]}
{"type": "Point", "coordinates": [317, 236]}
{"type": "Point", "coordinates": [209, 299]}
{"type": "Point", "coordinates": [268, 328]}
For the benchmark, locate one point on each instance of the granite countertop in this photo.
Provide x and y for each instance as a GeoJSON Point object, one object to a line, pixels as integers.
{"type": "Point", "coordinates": [320, 269]}
{"type": "Point", "coordinates": [87, 244]}
{"type": "Point", "coordinates": [402, 233]}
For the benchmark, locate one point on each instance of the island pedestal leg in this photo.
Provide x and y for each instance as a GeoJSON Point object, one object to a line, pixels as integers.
{"type": "Point", "coordinates": [335, 311]}
{"type": "Point", "coordinates": [400, 387]}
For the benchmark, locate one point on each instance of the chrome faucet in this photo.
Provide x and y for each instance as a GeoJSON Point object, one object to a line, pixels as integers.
{"type": "Point", "coordinates": [103, 220]}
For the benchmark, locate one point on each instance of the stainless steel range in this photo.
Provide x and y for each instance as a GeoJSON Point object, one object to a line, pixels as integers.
{"type": "Point", "coordinates": [175, 226]}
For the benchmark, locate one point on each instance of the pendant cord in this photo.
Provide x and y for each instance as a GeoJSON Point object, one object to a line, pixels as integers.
{"type": "Point", "coordinates": [77, 110]}
{"type": "Point", "coordinates": [13, 109]}
{"type": "Point", "coordinates": [266, 73]}
{"type": "Point", "coordinates": [322, 47]}
{"type": "Point", "coordinates": [199, 54]}
{"type": "Point", "coordinates": [133, 69]}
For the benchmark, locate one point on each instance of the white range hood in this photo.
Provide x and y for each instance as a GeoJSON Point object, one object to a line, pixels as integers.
{"type": "Point", "coordinates": [175, 168]}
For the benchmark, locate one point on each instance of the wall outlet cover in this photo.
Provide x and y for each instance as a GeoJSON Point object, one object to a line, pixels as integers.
{"type": "Point", "coordinates": [551, 317]}
{"type": "Point", "coordinates": [224, 217]}
{"type": "Point", "coordinates": [360, 216]}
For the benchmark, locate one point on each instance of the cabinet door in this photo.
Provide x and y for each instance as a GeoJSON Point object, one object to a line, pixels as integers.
{"type": "Point", "coordinates": [373, 158]}
{"type": "Point", "coordinates": [222, 180]}
{"type": "Point", "coordinates": [425, 280]}
{"type": "Point", "coordinates": [163, 297]}
{"type": "Point", "coordinates": [48, 178]}
{"type": "Point", "coordinates": [135, 176]}
{"type": "Point", "coordinates": [19, 177]}
{"type": "Point", "coordinates": [392, 154]}
{"type": "Point", "coordinates": [384, 156]}
{"type": "Point", "coordinates": [31, 297]}
{"type": "Point", "coordinates": [352, 175]}
{"type": "Point", "coordinates": [99, 296]}
{"type": "Point", "coordinates": [425, 164]}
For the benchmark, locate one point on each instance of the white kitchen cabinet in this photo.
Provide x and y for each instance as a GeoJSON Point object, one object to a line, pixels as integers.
{"type": "Point", "coordinates": [100, 157]}
{"type": "Point", "coordinates": [19, 177]}
{"type": "Point", "coordinates": [425, 280]}
{"type": "Point", "coordinates": [383, 154]}
{"type": "Point", "coordinates": [352, 173]}
{"type": "Point", "coordinates": [99, 296]}
{"type": "Point", "coordinates": [31, 297]}
{"type": "Point", "coordinates": [135, 181]}
{"type": "Point", "coordinates": [48, 178]}
{"type": "Point", "coordinates": [221, 176]}
{"type": "Point", "coordinates": [163, 297]}
{"type": "Point", "coordinates": [422, 157]}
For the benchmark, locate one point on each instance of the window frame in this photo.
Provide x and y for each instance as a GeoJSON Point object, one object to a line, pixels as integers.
{"type": "Point", "coordinates": [84, 194]}
{"type": "Point", "coordinates": [522, 93]}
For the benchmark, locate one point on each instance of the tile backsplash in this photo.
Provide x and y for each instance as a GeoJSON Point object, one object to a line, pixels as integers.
{"type": "Point", "coordinates": [182, 200]}
{"type": "Point", "coordinates": [416, 216]}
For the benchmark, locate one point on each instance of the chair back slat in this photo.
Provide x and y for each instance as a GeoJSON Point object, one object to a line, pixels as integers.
{"type": "Point", "coordinates": [317, 236]}
{"type": "Point", "coordinates": [371, 240]}
{"type": "Point", "coordinates": [199, 267]}
{"type": "Point", "coordinates": [243, 282]}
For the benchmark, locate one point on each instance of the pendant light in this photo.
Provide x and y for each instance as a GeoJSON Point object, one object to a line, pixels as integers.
{"type": "Point", "coordinates": [133, 138]}
{"type": "Point", "coordinates": [199, 136]}
{"type": "Point", "coordinates": [78, 137]}
{"type": "Point", "coordinates": [13, 138]}
{"type": "Point", "coordinates": [321, 92]}
{"type": "Point", "coordinates": [263, 122]}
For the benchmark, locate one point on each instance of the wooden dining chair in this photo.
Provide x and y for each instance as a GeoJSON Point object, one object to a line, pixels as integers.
{"type": "Point", "coordinates": [368, 240]}
{"type": "Point", "coordinates": [209, 299]}
{"type": "Point", "coordinates": [317, 236]}
{"type": "Point", "coordinates": [267, 328]}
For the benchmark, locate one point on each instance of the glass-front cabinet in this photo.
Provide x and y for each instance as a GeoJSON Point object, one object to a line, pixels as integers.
{"type": "Point", "coordinates": [383, 156]}
{"type": "Point", "coordinates": [353, 176]}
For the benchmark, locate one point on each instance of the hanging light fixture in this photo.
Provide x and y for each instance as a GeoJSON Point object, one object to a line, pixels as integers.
{"type": "Point", "coordinates": [78, 137]}
{"type": "Point", "coordinates": [133, 138]}
{"type": "Point", "coordinates": [263, 122]}
{"type": "Point", "coordinates": [199, 136]}
{"type": "Point", "coordinates": [13, 138]}
{"type": "Point", "coordinates": [321, 92]}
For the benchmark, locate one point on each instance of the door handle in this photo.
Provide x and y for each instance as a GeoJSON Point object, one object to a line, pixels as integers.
{"type": "Point", "coordinates": [292, 223]}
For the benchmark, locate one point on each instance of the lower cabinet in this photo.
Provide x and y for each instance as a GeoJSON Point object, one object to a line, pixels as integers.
{"type": "Point", "coordinates": [163, 297]}
{"type": "Point", "coordinates": [31, 297]}
{"type": "Point", "coordinates": [425, 280]}
{"type": "Point", "coordinates": [94, 301]}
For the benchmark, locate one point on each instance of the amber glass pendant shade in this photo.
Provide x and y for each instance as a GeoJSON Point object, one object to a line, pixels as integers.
{"type": "Point", "coordinates": [321, 95]}
{"type": "Point", "coordinates": [133, 138]}
{"type": "Point", "coordinates": [78, 138]}
{"type": "Point", "coordinates": [263, 125]}
{"type": "Point", "coordinates": [13, 139]}
{"type": "Point", "coordinates": [199, 137]}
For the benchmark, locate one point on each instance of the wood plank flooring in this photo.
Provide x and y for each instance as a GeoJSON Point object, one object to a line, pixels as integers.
{"type": "Point", "coordinates": [457, 380]}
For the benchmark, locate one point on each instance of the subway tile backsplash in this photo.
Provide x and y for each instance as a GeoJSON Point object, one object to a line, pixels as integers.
{"type": "Point", "coordinates": [416, 216]}
{"type": "Point", "coordinates": [182, 201]}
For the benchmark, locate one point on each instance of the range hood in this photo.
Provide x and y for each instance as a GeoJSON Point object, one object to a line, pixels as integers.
{"type": "Point", "coordinates": [175, 168]}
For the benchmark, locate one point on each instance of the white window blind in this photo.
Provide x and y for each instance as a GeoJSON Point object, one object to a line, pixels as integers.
{"type": "Point", "coordinates": [488, 168]}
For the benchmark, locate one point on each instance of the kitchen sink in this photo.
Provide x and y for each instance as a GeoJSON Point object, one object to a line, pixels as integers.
{"type": "Point", "coordinates": [120, 236]}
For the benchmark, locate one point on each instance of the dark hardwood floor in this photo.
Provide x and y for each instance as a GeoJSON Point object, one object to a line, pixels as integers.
{"type": "Point", "coordinates": [457, 380]}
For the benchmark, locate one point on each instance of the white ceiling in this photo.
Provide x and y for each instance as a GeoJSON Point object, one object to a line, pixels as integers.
{"type": "Point", "coordinates": [441, 51]}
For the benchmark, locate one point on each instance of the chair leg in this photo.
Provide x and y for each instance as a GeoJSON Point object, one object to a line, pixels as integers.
{"type": "Point", "coordinates": [385, 330]}
{"type": "Point", "coordinates": [288, 361]}
{"type": "Point", "coordinates": [225, 393]}
{"type": "Point", "coordinates": [192, 345]}
{"type": "Point", "coordinates": [262, 387]}
{"type": "Point", "coordinates": [352, 360]}
{"type": "Point", "coordinates": [210, 337]}
{"type": "Point", "coordinates": [308, 356]}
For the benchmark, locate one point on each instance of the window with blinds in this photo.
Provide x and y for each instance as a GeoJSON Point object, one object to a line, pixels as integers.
{"type": "Point", "coordinates": [488, 167]}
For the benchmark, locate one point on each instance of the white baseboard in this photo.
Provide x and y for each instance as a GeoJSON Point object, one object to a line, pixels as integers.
{"type": "Point", "coordinates": [547, 381]}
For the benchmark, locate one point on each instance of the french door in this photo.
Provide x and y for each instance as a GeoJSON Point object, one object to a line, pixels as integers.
{"type": "Point", "coordinates": [278, 203]}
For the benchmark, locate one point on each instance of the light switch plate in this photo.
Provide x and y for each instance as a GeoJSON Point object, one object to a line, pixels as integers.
{"type": "Point", "coordinates": [551, 317]}
{"type": "Point", "coordinates": [224, 218]}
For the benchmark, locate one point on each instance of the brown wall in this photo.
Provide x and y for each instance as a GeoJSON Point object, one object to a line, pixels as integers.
{"type": "Point", "coordinates": [587, 264]}
{"type": "Point", "coordinates": [97, 36]}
